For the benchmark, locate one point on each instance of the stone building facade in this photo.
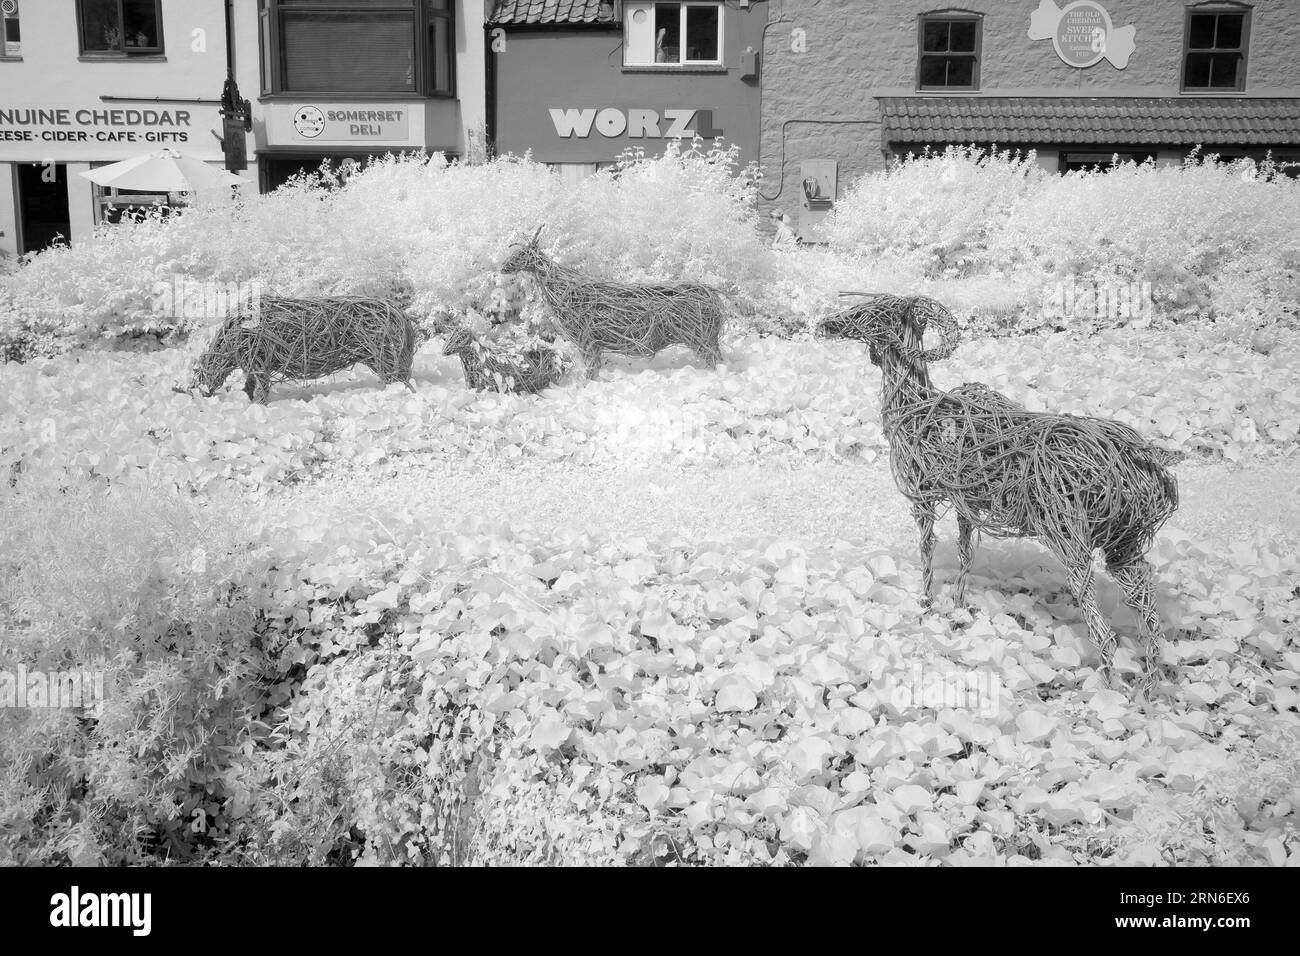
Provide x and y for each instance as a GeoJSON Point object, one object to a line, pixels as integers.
{"type": "Point", "coordinates": [849, 86]}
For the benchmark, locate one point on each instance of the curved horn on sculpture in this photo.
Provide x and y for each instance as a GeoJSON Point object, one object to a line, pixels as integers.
{"type": "Point", "coordinates": [942, 321]}
{"type": "Point", "coordinates": [533, 241]}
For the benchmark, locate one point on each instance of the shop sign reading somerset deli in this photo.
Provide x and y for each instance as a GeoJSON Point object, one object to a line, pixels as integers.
{"type": "Point", "coordinates": [99, 125]}
{"type": "Point", "coordinates": [346, 124]}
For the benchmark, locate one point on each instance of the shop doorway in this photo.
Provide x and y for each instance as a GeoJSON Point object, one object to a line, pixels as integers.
{"type": "Point", "coordinates": [278, 170]}
{"type": "Point", "coordinates": [42, 205]}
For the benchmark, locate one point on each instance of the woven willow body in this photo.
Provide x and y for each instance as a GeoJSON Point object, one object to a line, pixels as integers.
{"type": "Point", "coordinates": [539, 369]}
{"type": "Point", "coordinates": [298, 339]}
{"type": "Point", "coordinates": [1077, 484]}
{"type": "Point", "coordinates": [625, 318]}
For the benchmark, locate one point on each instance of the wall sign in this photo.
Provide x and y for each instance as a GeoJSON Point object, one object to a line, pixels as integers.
{"type": "Point", "coordinates": [340, 123]}
{"type": "Point", "coordinates": [96, 125]}
{"type": "Point", "coordinates": [612, 122]}
{"type": "Point", "coordinates": [1082, 33]}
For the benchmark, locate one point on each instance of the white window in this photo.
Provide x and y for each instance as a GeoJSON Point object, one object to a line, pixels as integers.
{"type": "Point", "coordinates": [672, 34]}
{"type": "Point", "coordinates": [9, 32]}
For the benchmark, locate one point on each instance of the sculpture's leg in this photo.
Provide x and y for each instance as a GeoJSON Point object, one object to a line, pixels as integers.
{"type": "Point", "coordinates": [250, 383]}
{"type": "Point", "coordinates": [965, 554]}
{"type": "Point", "coordinates": [924, 515]}
{"type": "Point", "coordinates": [592, 359]}
{"type": "Point", "coordinates": [1077, 559]}
{"type": "Point", "coordinates": [709, 351]}
{"type": "Point", "coordinates": [261, 387]}
{"type": "Point", "coordinates": [1135, 580]}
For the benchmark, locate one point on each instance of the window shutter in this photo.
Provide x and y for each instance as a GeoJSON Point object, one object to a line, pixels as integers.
{"type": "Point", "coordinates": [371, 52]}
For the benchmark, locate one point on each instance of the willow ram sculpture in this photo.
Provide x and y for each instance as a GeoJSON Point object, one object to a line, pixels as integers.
{"type": "Point", "coordinates": [297, 339]}
{"type": "Point", "coordinates": [1077, 484]}
{"type": "Point", "coordinates": [626, 318]}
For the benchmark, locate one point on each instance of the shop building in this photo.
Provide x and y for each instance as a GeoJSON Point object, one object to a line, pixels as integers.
{"type": "Point", "coordinates": [84, 83]}
{"type": "Point", "coordinates": [342, 79]}
{"type": "Point", "coordinates": [579, 82]}
{"type": "Point", "coordinates": [849, 87]}
{"type": "Point", "coordinates": [89, 82]}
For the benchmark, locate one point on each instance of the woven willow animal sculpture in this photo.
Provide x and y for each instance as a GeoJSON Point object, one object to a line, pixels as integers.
{"type": "Point", "coordinates": [296, 339]}
{"type": "Point", "coordinates": [1077, 484]}
{"type": "Point", "coordinates": [539, 368]}
{"type": "Point", "coordinates": [622, 317]}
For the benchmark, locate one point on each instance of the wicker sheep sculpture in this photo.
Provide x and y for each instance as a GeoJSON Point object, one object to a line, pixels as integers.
{"type": "Point", "coordinates": [635, 319]}
{"type": "Point", "coordinates": [1077, 484]}
{"type": "Point", "coordinates": [299, 339]}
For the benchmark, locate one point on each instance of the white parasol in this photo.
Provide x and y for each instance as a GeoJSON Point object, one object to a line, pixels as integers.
{"type": "Point", "coordinates": [164, 170]}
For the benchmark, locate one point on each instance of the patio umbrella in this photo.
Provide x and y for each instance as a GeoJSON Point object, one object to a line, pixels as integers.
{"type": "Point", "coordinates": [164, 170]}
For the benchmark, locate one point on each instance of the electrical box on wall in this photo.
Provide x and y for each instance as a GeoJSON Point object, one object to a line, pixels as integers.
{"type": "Point", "coordinates": [749, 64]}
{"type": "Point", "coordinates": [818, 188]}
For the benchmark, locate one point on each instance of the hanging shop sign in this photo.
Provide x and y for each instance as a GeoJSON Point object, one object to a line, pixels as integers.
{"type": "Point", "coordinates": [1082, 33]}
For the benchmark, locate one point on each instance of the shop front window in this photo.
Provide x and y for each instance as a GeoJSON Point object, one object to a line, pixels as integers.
{"type": "Point", "coordinates": [1214, 58]}
{"type": "Point", "coordinates": [1098, 161]}
{"type": "Point", "coordinates": [358, 46]}
{"type": "Point", "coordinates": [672, 34]}
{"type": "Point", "coordinates": [130, 27]}
{"type": "Point", "coordinates": [949, 52]}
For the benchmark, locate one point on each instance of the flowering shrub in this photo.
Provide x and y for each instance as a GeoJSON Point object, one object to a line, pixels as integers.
{"type": "Point", "coordinates": [940, 209]}
{"type": "Point", "coordinates": [1206, 236]}
{"type": "Point", "coordinates": [414, 223]}
{"type": "Point", "coordinates": [149, 589]}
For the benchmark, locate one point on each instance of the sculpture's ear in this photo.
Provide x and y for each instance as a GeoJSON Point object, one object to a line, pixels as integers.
{"type": "Point", "coordinates": [538, 233]}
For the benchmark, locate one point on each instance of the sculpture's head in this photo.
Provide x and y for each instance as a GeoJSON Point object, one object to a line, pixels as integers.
{"type": "Point", "coordinates": [456, 341]}
{"type": "Point", "coordinates": [890, 322]}
{"type": "Point", "coordinates": [524, 256]}
{"type": "Point", "coordinates": [216, 363]}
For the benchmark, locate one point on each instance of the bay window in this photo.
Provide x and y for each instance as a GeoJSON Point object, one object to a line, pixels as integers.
{"type": "Point", "coordinates": [687, 33]}
{"type": "Point", "coordinates": [358, 46]}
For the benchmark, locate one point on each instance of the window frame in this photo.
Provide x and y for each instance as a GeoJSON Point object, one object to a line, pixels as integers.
{"type": "Point", "coordinates": [272, 60]}
{"type": "Point", "coordinates": [977, 55]}
{"type": "Point", "coordinates": [630, 9]}
{"type": "Point", "coordinates": [11, 48]}
{"type": "Point", "coordinates": [1216, 10]}
{"type": "Point", "coordinates": [122, 51]}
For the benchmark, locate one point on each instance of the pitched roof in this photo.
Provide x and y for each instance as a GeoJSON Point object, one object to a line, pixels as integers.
{"type": "Point", "coordinates": [552, 11]}
{"type": "Point", "coordinates": [1165, 120]}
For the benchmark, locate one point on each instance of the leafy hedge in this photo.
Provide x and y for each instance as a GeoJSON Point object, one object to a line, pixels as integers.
{"type": "Point", "coordinates": [1207, 236]}
{"type": "Point", "coordinates": [983, 233]}
{"type": "Point", "coordinates": [411, 222]}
